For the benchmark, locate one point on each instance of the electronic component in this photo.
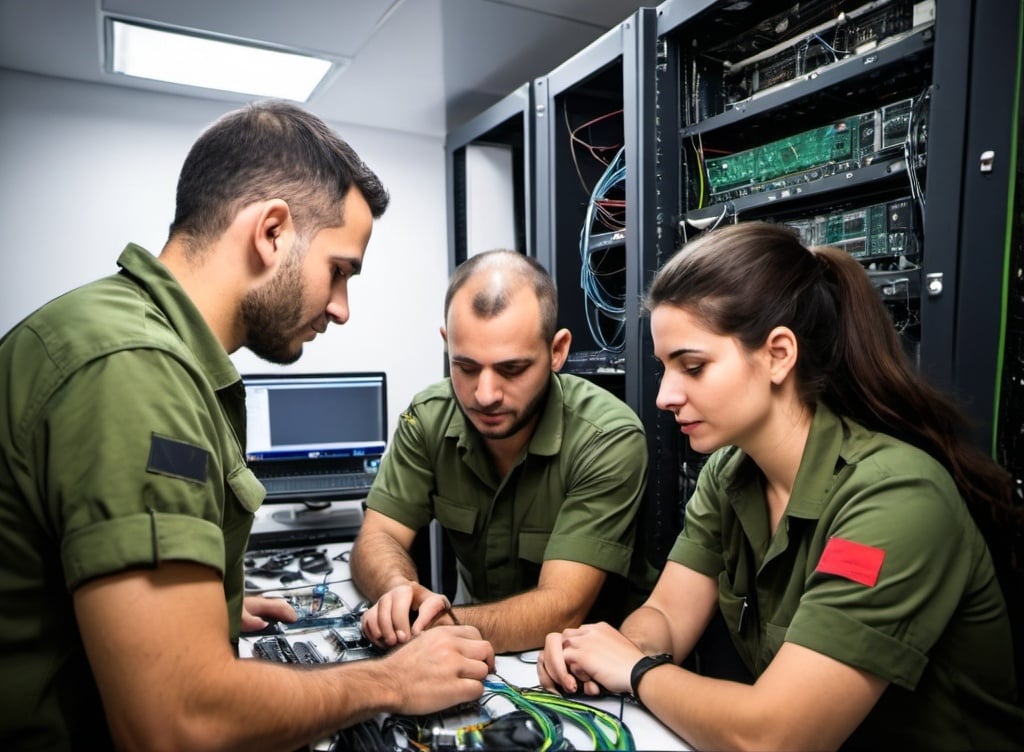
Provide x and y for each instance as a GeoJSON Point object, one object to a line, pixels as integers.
{"type": "Point", "coordinates": [593, 361]}
{"type": "Point", "coordinates": [753, 168]}
{"type": "Point", "coordinates": [306, 653]}
{"type": "Point", "coordinates": [278, 648]}
{"type": "Point", "coordinates": [884, 237]}
{"type": "Point", "coordinates": [600, 241]}
{"type": "Point", "coordinates": [877, 231]}
{"type": "Point", "coordinates": [812, 44]}
{"type": "Point", "coordinates": [507, 718]}
{"type": "Point", "coordinates": [351, 644]}
{"type": "Point", "coordinates": [284, 649]}
{"type": "Point", "coordinates": [274, 648]}
{"type": "Point", "coordinates": [831, 149]}
{"type": "Point", "coordinates": [871, 232]}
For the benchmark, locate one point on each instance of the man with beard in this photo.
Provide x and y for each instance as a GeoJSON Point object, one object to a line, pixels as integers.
{"type": "Point", "coordinates": [125, 502]}
{"type": "Point", "coordinates": [536, 477]}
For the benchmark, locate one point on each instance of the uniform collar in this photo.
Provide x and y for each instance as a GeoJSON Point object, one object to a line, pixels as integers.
{"type": "Point", "coordinates": [822, 459]}
{"type": "Point", "coordinates": [547, 436]}
{"type": "Point", "coordinates": [181, 312]}
{"type": "Point", "coordinates": [819, 466]}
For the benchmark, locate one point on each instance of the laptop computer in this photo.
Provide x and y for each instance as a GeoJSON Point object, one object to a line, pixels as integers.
{"type": "Point", "coordinates": [314, 441]}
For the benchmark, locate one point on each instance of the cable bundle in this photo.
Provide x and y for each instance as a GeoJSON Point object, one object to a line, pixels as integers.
{"type": "Point", "coordinates": [534, 725]}
{"type": "Point", "coordinates": [606, 731]}
{"type": "Point", "coordinates": [601, 301]}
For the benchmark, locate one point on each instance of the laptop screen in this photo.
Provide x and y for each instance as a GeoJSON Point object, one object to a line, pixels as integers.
{"type": "Point", "coordinates": [306, 432]}
{"type": "Point", "coordinates": [315, 416]}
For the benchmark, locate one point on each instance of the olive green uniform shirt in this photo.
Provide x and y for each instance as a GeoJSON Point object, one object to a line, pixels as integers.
{"type": "Point", "coordinates": [876, 563]}
{"type": "Point", "coordinates": [573, 495]}
{"type": "Point", "coordinates": [121, 446]}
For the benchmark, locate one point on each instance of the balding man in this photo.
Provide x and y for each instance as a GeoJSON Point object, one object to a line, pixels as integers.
{"type": "Point", "coordinates": [536, 477]}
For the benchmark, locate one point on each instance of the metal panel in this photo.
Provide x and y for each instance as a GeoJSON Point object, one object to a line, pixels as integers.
{"type": "Point", "coordinates": [987, 189]}
{"type": "Point", "coordinates": [639, 55]}
{"type": "Point", "coordinates": [586, 80]}
{"type": "Point", "coordinates": [947, 126]}
{"type": "Point", "coordinates": [507, 122]}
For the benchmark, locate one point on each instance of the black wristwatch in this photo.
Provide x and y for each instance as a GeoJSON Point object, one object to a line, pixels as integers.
{"type": "Point", "coordinates": [644, 665]}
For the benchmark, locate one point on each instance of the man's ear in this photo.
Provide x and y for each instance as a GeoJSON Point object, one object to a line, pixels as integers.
{"type": "Point", "coordinates": [444, 334]}
{"type": "Point", "coordinates": [782, 350]}
{"type": "Point", "coordinates": [560, 345]}
{"type": "Point", "coordinates": [274, 232]}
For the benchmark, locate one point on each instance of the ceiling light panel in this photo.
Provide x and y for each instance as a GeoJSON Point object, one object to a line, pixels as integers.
{"type": "Point", "coordinates": [185, 58]}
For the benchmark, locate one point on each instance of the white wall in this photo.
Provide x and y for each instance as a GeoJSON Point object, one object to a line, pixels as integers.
{"type": "Point", "coordinates": [85, 169]}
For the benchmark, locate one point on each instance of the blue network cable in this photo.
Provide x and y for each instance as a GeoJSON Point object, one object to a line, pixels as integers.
{"type": "Point", "coordinates": [599, 301]}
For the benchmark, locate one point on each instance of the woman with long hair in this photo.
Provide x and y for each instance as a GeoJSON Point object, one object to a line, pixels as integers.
{"type": "Point", "coordinates": [844, 524]}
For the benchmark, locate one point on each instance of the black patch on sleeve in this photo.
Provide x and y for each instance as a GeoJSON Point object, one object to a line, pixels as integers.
{"type": "Point", "coordinates": [177, 459]}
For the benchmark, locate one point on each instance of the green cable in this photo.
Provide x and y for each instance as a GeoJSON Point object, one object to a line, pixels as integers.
{"type": "Point", "coordinates": [1008, 245]}
{"type": "Point", "coordinates": [542, 719]}
{"type": "Point", "coordinates": [605, 730]}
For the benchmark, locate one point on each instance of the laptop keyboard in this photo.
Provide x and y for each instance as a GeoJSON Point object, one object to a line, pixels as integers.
{"type": "Point", "coordinates": [319, 483]}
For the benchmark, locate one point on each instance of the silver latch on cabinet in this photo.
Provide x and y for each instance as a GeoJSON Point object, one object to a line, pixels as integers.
{"type": "Point", "coordinates": [933, 284]}
{"type": "Point", "coordinates": [988, 157]}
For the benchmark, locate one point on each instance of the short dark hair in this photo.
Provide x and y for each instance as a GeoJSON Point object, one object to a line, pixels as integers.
{"type": "Point", "coordinates": [269, 149]}
{"type": "Point", "coordinates": [517, 269]}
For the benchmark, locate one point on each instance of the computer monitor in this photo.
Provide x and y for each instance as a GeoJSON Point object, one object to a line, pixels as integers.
{"type": "Point", "coordinates": [315, 436]}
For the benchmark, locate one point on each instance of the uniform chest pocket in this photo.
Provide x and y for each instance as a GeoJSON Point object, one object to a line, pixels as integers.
{"type": "Point", "coordinates": [741, 623]}
{"type": "Point", "coordinates": [246, 488]}
{"type": "Point", "coordinates": [532, 545]}
{"type": "Point", "coordinates": [774, 636]}
{"type": "Point", "coordinates": [455, 516]}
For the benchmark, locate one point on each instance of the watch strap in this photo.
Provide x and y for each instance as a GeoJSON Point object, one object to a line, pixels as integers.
{"type": "Point", "coordinates": [644, 665]}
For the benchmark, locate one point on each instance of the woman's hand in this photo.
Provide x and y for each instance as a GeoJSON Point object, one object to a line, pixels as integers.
{"type": "Point", "coordinates": [594, 658]}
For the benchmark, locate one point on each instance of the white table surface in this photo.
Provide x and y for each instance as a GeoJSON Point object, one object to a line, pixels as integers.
{"type": "Point", "coordinates": [518, 670]}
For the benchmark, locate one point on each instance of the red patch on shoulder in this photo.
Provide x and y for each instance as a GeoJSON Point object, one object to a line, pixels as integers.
{"type": "Point", "coordinates": [854, 561]}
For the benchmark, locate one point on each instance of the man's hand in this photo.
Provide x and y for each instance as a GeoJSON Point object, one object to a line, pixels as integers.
{"type": "Point", "coordinates": [440, 668]}
{"type": "Point", "coordinates": [387, 622]}
{"type": "Point", "coordinates": [257, 610]}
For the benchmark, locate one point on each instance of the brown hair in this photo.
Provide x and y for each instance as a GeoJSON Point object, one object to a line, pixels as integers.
{"type": "Point", "coordinates": [269, 149]}
{"type": "Point", "coordinates": [744, 279]}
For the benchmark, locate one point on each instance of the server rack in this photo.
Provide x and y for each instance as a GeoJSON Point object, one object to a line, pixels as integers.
{"type": "Point", "coordinates": [988, 350]}
{"type": "Point", "coordinates": [905, 104]}
{"type": "Point", "coordinates": [773, 111]}
{"type": "Point", "coordinates": [589, 124]}
{"type": "Point", "coordinates": [507, 123]}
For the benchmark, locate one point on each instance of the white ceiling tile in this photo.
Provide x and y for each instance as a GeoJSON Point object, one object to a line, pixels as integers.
{"type": "Point", "coordinates": [418, 65]}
